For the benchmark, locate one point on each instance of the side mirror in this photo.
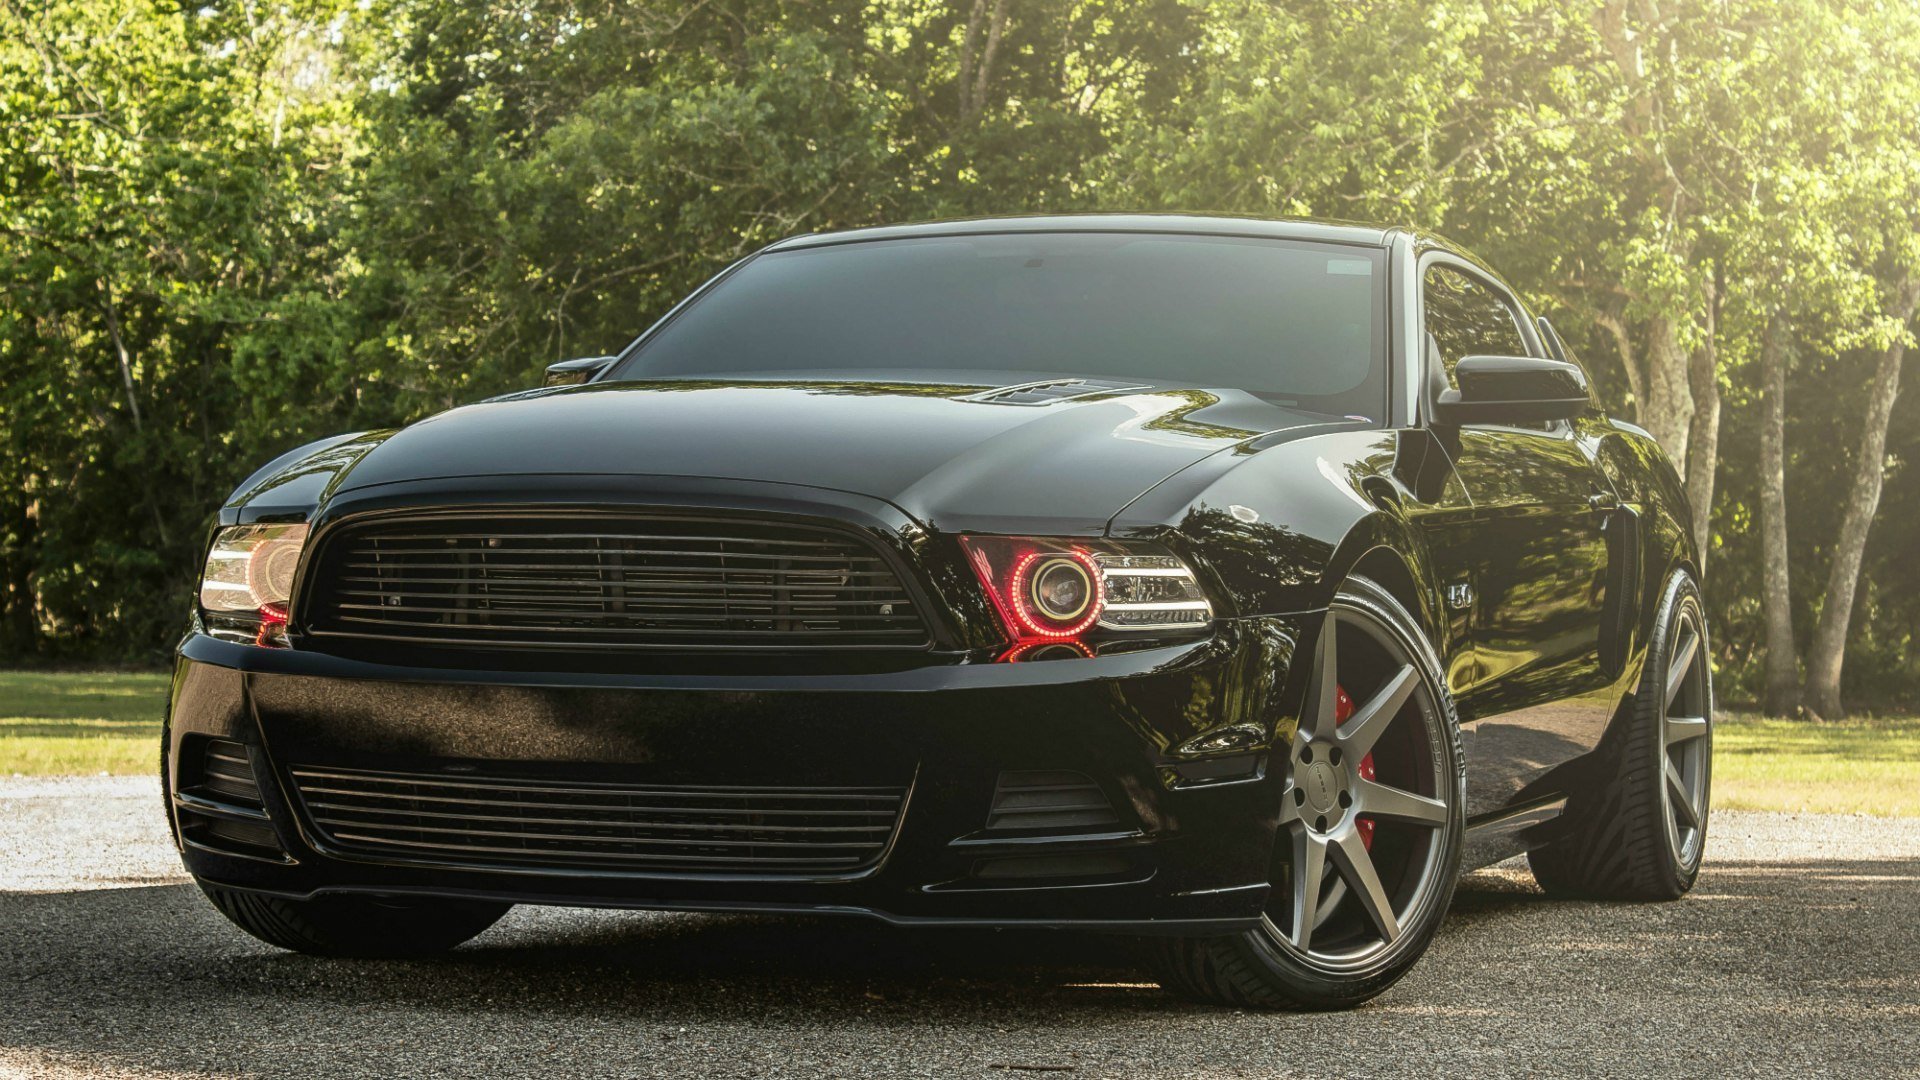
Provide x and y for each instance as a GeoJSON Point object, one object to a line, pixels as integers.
{"type": "Point", "coordinates": [1512, 389]}
{"type": "Point", "coordinates": [574, 372]}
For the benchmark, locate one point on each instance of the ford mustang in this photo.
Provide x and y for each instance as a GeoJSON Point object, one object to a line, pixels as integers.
{"type": "Point", "coordinates": [1229, 584]}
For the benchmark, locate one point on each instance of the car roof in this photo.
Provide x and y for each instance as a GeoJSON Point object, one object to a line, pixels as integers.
{"type": "Point", "coordinates": [1192, 224]}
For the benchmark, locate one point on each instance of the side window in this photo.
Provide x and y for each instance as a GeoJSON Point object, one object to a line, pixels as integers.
{"type": "Point", "coordinates": [1465, 318]}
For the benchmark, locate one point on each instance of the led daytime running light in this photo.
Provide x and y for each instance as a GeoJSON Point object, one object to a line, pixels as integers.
{"type": "Point", "coordinates": [1038, 623]}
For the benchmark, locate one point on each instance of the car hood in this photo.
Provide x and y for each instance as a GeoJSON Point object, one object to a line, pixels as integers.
{"type": "Point", "coordinates": [960, 455]}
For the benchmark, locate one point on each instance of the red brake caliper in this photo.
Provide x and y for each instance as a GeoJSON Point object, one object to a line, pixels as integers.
{"type": "Point", "coordinates": [1342, 712]}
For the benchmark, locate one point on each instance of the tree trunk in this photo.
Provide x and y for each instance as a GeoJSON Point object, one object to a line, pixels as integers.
{"type": "Point", "coordinates": [1703, 457]}
{"type": "Point", "coordinates": [968, 45]}
{"type": "Point", "coordinates": [1781, 694]}
{"type": "Point", "coordinates": [995, 27]}
{"type": "Point", "coordinates": [1630, 29]}
{"type": "Point", "coordinates": [1863, 501]}
{"type": "Point", "coordinates": [1703, 432]}
{"type": "Point", "coordinates": [22, 620]}
{"type": "Point", "coordinates": [1615, 323]}
{"type": "Point", "coordinates": [120, 353]}
{"type": "Point", "coordinates": [1667, 412]}
{"type": "Point", "coordinates": [976, 59]}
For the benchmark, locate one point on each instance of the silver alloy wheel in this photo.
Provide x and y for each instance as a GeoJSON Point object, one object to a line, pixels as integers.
{"type": "Point", "coordinates": [1334, 907]}
{"type": "Point", "coordinates": [1685, 727]}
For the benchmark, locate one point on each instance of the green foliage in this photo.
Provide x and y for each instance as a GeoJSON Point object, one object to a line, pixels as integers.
{"type": "Point", "coordinates": [160, 196]}
{"type": "Point", "coordinates": [226, 229]}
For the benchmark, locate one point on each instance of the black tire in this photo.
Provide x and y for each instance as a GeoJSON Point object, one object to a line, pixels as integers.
{"type": "Point", "coordinates": [362, 926]}
{"type": "Point", "coordinates": [1276, 967]}
{"type": "Point", "coordinates": [1626, 838]}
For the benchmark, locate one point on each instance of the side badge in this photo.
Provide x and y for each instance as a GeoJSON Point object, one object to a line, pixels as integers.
{"type": "Point", "coordinates": [1459, 596]}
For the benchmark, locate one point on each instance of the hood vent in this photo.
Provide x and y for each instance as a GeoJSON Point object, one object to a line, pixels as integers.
{"type": "Point", "coordinates": [1051, 390]}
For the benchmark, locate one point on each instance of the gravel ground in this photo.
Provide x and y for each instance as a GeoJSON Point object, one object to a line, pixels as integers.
{"type": "Point", "coordinates": [1797, 955]}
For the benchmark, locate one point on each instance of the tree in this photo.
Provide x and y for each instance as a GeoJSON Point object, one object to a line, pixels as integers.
{"type": "Point", "coordinates": [1830, 640]}
{"type": "Point", "coordinates": [226, 229]}
{"type": "Point", "coordinates": [1848, 112]}
{"type": "Point", "coordinates": [1781, 693]}
{"type": "Point", "coordinates": [151, 204]}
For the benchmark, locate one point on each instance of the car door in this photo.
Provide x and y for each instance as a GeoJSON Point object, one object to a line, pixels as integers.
{"type": "Point", "coordinates": [1528, 561]}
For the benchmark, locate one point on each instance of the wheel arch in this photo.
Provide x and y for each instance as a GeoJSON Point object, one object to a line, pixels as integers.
{"type": "Point", "coordinates": [1385, 567]}
{"type": "Point", "coordinates": [1646, 480]}
{"type": "Point", "coordinates": [1385, 548]}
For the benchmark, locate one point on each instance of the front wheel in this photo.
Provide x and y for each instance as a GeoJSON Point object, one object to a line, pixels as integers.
{"type": "Point", "coordinates": [1371, 819]}
{"type": "Point", "coordinates": [365, 926]}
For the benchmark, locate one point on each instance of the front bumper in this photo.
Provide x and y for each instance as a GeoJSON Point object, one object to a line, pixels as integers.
{"type": "Point", "coordinates": [1176, 738]}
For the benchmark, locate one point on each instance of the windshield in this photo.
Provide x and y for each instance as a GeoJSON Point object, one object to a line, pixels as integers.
{"type": "Point", "coordinates": [1297, 322]}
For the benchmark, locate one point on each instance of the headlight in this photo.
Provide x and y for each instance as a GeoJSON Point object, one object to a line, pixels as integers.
{"type": "Point", "coordinates": [1151, 592]}
{"type": "Point", "coordinates": [248, 582]}
{"type": "Point", "coordinates": [1070, 590]}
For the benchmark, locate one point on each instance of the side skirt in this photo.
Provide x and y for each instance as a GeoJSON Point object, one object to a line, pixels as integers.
{"type": "Point", "coordinates": [1512, 832]}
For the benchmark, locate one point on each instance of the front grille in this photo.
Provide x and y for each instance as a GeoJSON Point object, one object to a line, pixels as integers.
{"type": "Point", "coordinates": [635, 829]}
{"type": "Point", "coordinates": [609, 581]}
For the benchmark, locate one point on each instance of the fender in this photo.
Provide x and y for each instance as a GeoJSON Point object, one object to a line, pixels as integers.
{"type": "Point", "coordinates": [291, 486]}
{"type": "Point", "coordinates": [1649, 486]}
{"type": "Point", "coordinates": [1272, 543]}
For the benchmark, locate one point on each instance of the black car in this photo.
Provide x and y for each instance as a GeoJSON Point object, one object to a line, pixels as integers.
{"type": "Point", "coordinates": [1230, 583]}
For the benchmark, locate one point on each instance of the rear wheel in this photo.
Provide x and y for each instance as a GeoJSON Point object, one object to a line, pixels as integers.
{"type": "Point", "coordinates": [1368, 847]}
{"type": "Point", "coordinates": [1640, 833]}
{"type": "Point", "coordinates": [369, 926]}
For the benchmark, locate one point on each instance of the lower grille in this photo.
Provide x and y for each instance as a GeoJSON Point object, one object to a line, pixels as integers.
{"type": "Point", "coordinates": [1049, 801]}
{"type": "Point", "coordinates": [567, 825]}
{"type": "Point", "coordinates": [227, 776]}
{"type": "Point", "coordinates": [225, 832]}
{"type": "Point", "coordinates": [218, 805]}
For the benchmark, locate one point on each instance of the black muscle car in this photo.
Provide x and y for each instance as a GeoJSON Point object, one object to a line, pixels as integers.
{"type": "Point", "coordinates": [1231, 583]}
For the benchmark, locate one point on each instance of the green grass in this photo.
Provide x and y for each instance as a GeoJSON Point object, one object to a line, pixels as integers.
{"type": "Point", "coordinates": [78, 724]}
{"type": "Point", "coordinates": [1838, 767]}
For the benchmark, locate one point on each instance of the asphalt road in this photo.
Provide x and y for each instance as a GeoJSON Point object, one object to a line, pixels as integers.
{"type": "Point", "coordinates": [1797, 956]}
